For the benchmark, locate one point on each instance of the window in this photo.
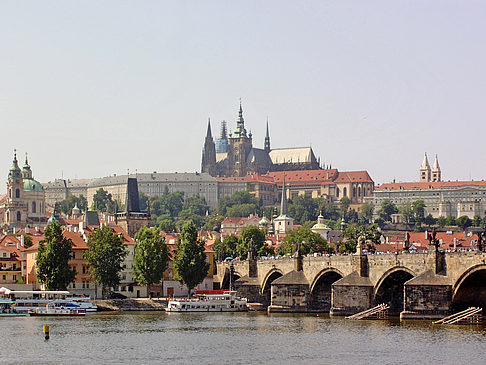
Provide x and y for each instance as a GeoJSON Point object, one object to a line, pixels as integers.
{"type": "Point", "coordinates": [19, 217]}
{"type": "Point", "coordinates": [4, 277]}
{"type": "Point", "coordinates": [33, 207]}
{"type": "Point", "coordinates": [14, 277]}
{"type": "Point", "coordinates": [17, 193]}
{"type": "Point", "coordinates": [74, 285]}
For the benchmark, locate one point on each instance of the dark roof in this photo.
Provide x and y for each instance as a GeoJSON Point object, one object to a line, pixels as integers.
{"type": "Point", "coordinates": [429, 278]}
{"type": "Point", "coordinates": [354, 279]}
{"type": "Point", "coordinates": [291, 278]}
{"type": "Point", "coordinates": [260, 156]}
{"type": "Point", "coordinates": [246, 280]}
{"type": "Point", "coordinates": [91, 218]}
{"type": "Point", "coordinates": [132, 203]}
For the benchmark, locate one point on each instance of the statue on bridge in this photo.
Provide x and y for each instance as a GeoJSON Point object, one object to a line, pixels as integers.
{"type": "Point", "coordinates": [481, 239]}
{"type": "Point", "coordinates": [433, 241]}
{"type": "Point", "coordinates": [251, 250]}
{"type": "Point", "coordinates": [361, 246]}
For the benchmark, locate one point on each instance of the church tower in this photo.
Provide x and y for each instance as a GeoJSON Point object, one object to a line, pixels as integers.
{"type": "Point", "coordinates": [239, 147]}
{"type": "Point", "coordinates": [283, 223]}
{"type": "Point", "coordinates": [208, 163]}
{"type": "Point", "coordinates": [267, 140]}
{"type": "Point", "coordinates": [436, 174]}
{"type": "Point", "coordinates": [425, 173]}
{"type": "Point", "coordinates": [15, 207]}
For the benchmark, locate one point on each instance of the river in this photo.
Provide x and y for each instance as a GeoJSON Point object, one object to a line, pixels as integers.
{"type": "Point", "coordinates": [236, 338]}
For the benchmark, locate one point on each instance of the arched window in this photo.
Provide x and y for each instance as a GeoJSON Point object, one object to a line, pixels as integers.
{"type": "Point", "coordinates": [354, 191]}
{"type": "Point", "coordinates": [8, 216]}
{"type": "Point", "coordinates": [337, 192]}
{"type": "Point", "coordinates": [17, 193]}
{"type": "Point", "coordinates": [33, 207]}
{"type": "Point", "coordinates": [9, 193]}
{"type": "Point", "coordinates": [345, 192]}
{"type": "Point", "coordinates": [19, 217]}
{"type": "Point", "coordinates": [359, 190]}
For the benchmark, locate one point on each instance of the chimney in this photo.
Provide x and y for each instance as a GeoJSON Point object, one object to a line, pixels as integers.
{"type": "Point", "coordinates": [81, 227]}
{"type": "Point", "coordinates": [22, 241]}
{"type": "Point", "coordinates": [426, 235]}
{"type": "Point", "coordinates": [26, 230]}
{"type": "Point", "coordinates": [455, 243]}
{"type": "Point", "coordinates": [14, 230]}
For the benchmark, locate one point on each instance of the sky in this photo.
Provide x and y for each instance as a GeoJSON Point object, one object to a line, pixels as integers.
{"type": "Point", "coordinates": [95, 88]}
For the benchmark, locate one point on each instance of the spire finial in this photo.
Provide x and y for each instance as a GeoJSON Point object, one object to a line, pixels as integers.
{"type": "Point", "coordinates": [15, 154]}
{"type": "Point", "coordinates": [26, 159]}
{"type": "Point", "coordinates": [208, 133]}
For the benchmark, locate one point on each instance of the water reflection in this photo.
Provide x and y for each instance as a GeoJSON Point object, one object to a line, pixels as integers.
{"type": "Point", "coordinates": [238, 338]}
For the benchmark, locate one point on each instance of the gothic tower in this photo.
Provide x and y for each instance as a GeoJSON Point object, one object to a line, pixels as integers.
{"type": "Point", "coordinates": [436, 174]}
{"type": "Point", "coordinates": [208, 163]}
{"type": "Point", "coordinates": [15, 207]}
{"type": "Point", "coordinates": [267, 140]}
{"type": "Point", "coordinates": [239, 147]}
{"type": "Point", "coordinates": [425, 173]}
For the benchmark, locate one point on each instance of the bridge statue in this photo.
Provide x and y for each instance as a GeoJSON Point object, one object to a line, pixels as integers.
{"type": "Point", "coordinates": [361, 246]}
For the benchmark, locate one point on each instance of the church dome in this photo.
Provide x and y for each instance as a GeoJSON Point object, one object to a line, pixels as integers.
{"type": "Point", "coordinates": [32, 185]}
{"type": "Point", "coordinates": [52, 219]}
{"type": "Point", "coordinates": [264, 222]}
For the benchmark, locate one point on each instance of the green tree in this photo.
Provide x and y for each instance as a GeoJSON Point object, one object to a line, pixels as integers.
{"type": "Point", "coordinates": [105, 256]}
{"type": "Point", "coordinates": [344, 206]}
{"type": "Point", "coordinates": [103, 202]}
{"type": "Point", "coordinates": [366, 212]}
{"type": "Point", "coordinates": [151, 257]}
{"type": "Point", "coordinates": [406, 210]}
{"type": "Point", "coordinates": [387, 209]}
{"type": "Point", "coordinates": [477, 221]}
{"type": "Point", "coordinates": [166, 224]}
{"type": "Point", "coordinates": [195, 209]}
{"type": "Point", "coordinates": [213, 222]}
{"type": "Point", "coordinates": [310, 242]}
{"type": "Point", "coordinates": [66, 206]}
{"type": "Point", "coordinates": [303, 209]}
{"type": "Point", "coordinates": [354, 231]}
{"type": "Point", "coordinates": [450, 221]}
{"type": "Point", "coordinates": [418, 208]}
{"type": "Point", "coordinates": [239, 198]}
{"type": "Point", "coordinates": [53, 257]}
{"type": "Point", "coordinates": [190, 260]}
{"type": "Point", "coordinates": [464, 222]}
{"type": "Point", "coordinates": [241, 210]}
{"type": "Point", "coordinates": [258, 236]}
{"type": "Point", "coordinates": [144, 201]}
{"type": "Point", "coordinates": [441, 221]}
{"type": "Point", "coordinates": [429, 220]}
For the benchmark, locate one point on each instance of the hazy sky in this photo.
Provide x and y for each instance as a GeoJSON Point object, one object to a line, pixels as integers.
{"type": "Point", "coordinates": [92, 88]}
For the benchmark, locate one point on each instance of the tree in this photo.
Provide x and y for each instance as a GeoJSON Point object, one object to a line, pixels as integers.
{"type": "Point", "coordinates": [464, 222]}
{"type": "Point", "coordinates": [450, 221]}
{"type": "Point", "coordinates": [103, 202]}
{"type": "Point", "coordinates": [354, 231]}
{"type": "Point", "coordinates": [406, 210]}
{"type": "Point", "coordinates": [477, 221]}
{"type": "Point", "coordinates": [239, 198]}
{"type": "Point", "coordinates": [166, 224]}
{"type": "Point", "coordinates": [66, 206]}
{"type": "Point", "coordinates": [105, 257]}
{"type": "Point", "coordinates": [303, 209]}
{"type": "Point", "coordinates": [344, 206]}
{"type": "Point", "coordinates": [441, 221]}
{"type": "Point", "coordinates": [195, 209]}
{"type": "Point", "coordinates": [429, 220]}
{"type": "Point", "coordinates": [258, 236]}
{"type": "Point", "coordinates": [190, 260]}
{"type": "Point", "coordinates": [418, 208]}
{"type": "Point", "coordinates": [53, 257]}
{"type": "Point", "coordinates": [151, 257]}
{"type": "Point", "coordinates": [366, 212]}
{"type": "Point", "coordinates": [310, 242]}
{"type": "Point", "coordinates": [387, 209]}
{"type": "Point", "coordinates": [213, 223]}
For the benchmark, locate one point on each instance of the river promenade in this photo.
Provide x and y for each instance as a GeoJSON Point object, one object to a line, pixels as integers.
{"type": "Point", "coordinates": [236, 338]}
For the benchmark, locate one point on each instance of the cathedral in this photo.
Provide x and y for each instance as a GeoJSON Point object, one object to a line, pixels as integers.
{"type": "Point", "coordinates": [233, 154]}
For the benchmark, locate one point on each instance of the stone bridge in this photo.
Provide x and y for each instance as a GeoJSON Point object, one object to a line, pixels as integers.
{"type": "Point", "coordinates": [417, 285]}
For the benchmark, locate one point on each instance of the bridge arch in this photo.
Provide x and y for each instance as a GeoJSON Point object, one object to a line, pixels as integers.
{"type": "Point", "coordinates": [470, 288]}
{"type": "Point", "coordinates": [321, 289]}
{"type": "Point", "coordinates": [225, 283]}
{"type": "Point", "coordinates": [266, 284]}
{"type": "Point", "coordinates": [389, 289]}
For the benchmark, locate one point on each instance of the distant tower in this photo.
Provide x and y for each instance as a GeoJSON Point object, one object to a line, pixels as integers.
{"type": "Point", "coordinates": [208, 163]}
{"type": "Point", "coordinates": [283, 223]}
{"type": "Point", "coordinates": [133, 218]}
{"type": "Point", "coordinates": [222, 142]}
{"type": "Point", "coordinates": [267, 140]}
{"type": "Point", "coordinates": [26, 170]}
{"type": "Point", "coordinates": [15, 207]}
{"type": "Point", "coordinates": [436, 174]}
{"type": "Point", "coordinates": [239, 147]}
{"type": "Point", "coordinates": [425, 173]}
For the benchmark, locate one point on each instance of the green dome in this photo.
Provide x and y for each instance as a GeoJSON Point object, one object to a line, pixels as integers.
{"type": "Point", "coordinates": [32, 185]}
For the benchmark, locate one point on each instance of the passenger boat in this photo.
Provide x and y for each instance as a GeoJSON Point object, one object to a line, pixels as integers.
{"type": "Point", "coordinates": [30, 300]}
{"type": "Point", "coordinates": [52, 311]}
{"type": "Point", "coordinates": [209, 301]}
{"type": "Point", "coordinates": [6, 309]}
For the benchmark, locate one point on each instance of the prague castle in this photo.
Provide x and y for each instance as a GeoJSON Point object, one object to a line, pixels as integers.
{"type": "Point", "coordinates": [233, 154]}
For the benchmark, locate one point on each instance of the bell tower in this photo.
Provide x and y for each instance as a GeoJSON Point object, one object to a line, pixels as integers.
{"type": "Point", "coordinates": [425, 173]}
{"type": "Point", "coordinates": [239, 147]}
{"type": "Point", "coordinates": [15, 207]}
{"type": "Point", "coordinates": [208, 163]}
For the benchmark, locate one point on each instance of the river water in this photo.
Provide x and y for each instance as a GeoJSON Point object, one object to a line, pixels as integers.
{"type": "Point", "coordinates": [236, 338]}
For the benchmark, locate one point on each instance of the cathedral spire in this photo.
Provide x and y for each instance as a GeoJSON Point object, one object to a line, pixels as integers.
{"type": "Point", "coordinates": [208, 133]}
{"type": "Point", "coordinates": [14, 170]}
{"type": "Point", "coordinates": [436, 173]}
{"type": "Point", "coordinates": [284, 208]}
{"type": "Point", "coordinates": [267, 139]}
{"type": "Point", "coordinates": [425, 173]}
{"type": "Point", "coordinates": [425, 162]}
{"type": "Point", "coordinates": [240, 125]}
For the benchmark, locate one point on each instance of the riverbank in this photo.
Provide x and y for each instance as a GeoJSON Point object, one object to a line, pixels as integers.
{"type": "Point", "coordinates": [133, 304]}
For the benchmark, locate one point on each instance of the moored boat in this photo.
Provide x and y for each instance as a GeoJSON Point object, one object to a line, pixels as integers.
{"type": "Point", "coordinates": [6, 309]}
{"type": "Point", "coordinates": [215, 301]}
{"type": "Point", "coordinates": [52, 311]}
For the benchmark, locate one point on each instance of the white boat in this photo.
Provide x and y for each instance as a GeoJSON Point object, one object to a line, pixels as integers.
{"type": "Point", "coordinates": [31, 300]}
{"type": "Point", "coordinates": [51, 310]}
{"type": "Point", "coordinates": [6, 309]}
{"type": "Point", "coordinates": [216, 301]}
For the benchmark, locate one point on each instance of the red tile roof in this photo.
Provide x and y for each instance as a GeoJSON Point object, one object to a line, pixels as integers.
{"type": "Point", "coordinates": [353, 176]}
{"type": "Point", "coordinates": [428, 185]}
{"type": "Point", "coordinates": [304, 176]}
